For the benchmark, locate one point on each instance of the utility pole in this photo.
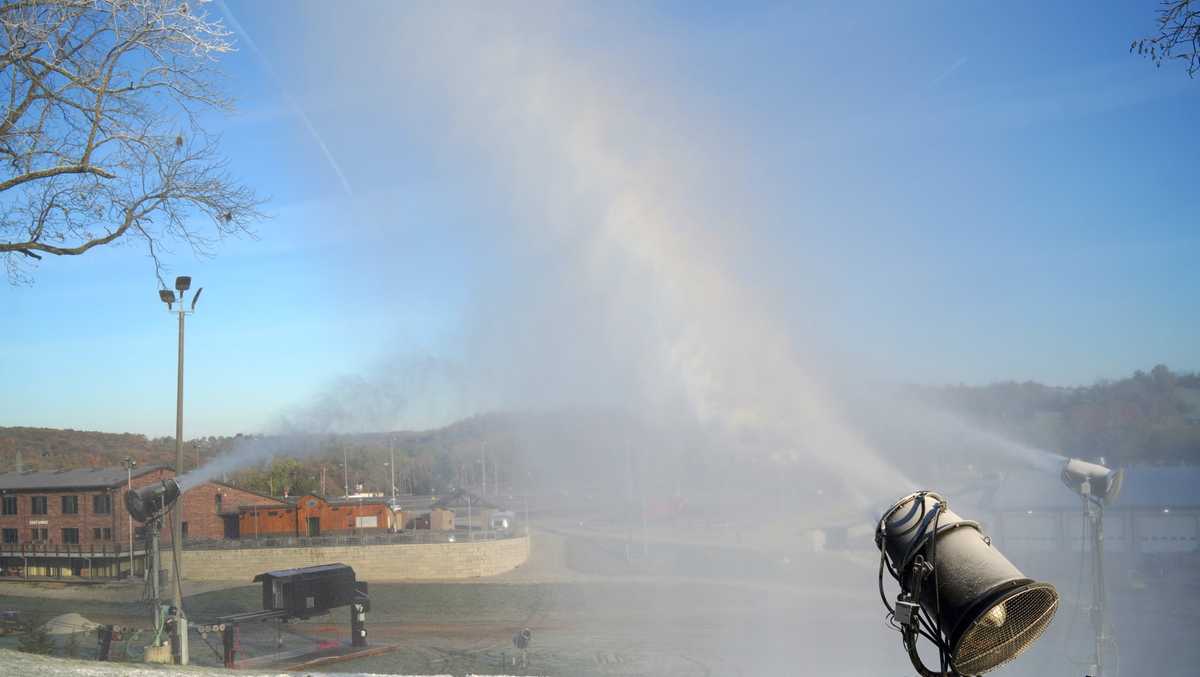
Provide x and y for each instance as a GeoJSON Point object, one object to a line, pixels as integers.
{"type": "Point", "coordinates": [346, 469]}
{"type": "Point", "coordinates": [177, 523]}
{"type": "Point", "coordinates": [129, 463]}
{"type": "Point", "coordinates": [483, 468]}
{"type": "Point", "coordinates": [628, 501]}
{"type": "Point", "coordinates": [392, 452]}
{"type": "Point", "coordinates": [182, 284]}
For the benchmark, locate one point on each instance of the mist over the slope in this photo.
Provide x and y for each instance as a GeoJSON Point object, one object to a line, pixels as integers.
{"type": "Point", "coordinates": [643, 310]}
{"type": "Point", "coordinates": [627, 286]}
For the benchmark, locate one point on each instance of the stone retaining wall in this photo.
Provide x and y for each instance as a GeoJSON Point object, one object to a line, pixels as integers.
{"type": "Point", "coordinates": [402, 562]}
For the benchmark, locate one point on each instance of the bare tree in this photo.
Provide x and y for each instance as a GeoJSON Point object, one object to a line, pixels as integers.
{"type": "Point", "coordinates": [101, 139]}
{"type": "Point", "coordinates": [1178, 36]}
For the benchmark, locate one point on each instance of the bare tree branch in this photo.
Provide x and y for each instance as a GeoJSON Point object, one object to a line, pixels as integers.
{"type": "Point", "coordinates": [1178, 36]}
{"type": "Point", "coordinates": [99, 140]}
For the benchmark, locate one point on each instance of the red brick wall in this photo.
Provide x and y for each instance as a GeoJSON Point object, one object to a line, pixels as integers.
{"type": "Point", "coordinates": [200, 509]}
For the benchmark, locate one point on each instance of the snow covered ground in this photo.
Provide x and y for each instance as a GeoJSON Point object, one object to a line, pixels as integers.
{"type": "Point", "coordinates": [17, 663]}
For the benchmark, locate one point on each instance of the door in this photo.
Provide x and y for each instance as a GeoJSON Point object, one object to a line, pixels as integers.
{"type": "Point", "coordinates": [231, 526]}
{"type": "Point", "coordinates": [314, 526]}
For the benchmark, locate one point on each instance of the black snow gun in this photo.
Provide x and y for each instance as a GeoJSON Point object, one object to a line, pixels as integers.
{"type": "Point", "coordinates": [152, 501]}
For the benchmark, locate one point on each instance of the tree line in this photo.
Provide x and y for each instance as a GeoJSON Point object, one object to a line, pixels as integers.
{"type": "Point", "coordinates": [1148, 418]}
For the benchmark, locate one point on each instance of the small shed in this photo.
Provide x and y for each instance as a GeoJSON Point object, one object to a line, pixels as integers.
{"type": "Point", "coordinates": [312, 515]}
{"type": "Point", "coordinates": [441, 519]}
{"type": "Point", "coordinates": [411, 519]}
{"type": "Point", "coordinates": [469, 509]}
{"type": "Point", "coordinates": [316, 515]}
{"type": "Point", "coordinates": [266, 520]}
{"type": "Point", "coordinates": [307, 591]}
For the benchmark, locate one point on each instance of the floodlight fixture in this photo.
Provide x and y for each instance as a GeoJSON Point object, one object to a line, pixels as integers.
{"type": "Point", "coordinates": [1092, 479]}
{"type": "Point", "coordinates": [183, 283]}
{"type": "Point", "coordinates": [167, 296]}
{"type": "Point", "coordinates": [956, 589]}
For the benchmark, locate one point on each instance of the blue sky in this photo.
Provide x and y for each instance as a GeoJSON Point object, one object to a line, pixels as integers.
{"type": "Point", "coordinates": [938, 192]}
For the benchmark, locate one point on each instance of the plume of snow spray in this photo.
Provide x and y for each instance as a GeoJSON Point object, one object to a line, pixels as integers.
{"type": "Point", "coordinates": [250, 451]}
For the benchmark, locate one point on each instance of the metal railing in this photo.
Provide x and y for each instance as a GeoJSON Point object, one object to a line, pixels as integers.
{"type": "Point", "coordinates": [68, 550]}
{"type": "Point", "coordinates": [409, 536]}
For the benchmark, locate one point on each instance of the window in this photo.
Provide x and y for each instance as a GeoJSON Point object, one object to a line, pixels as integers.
{"type": "Point", "coordinates": [10, 536]}
{"type": "Point", "coordinates": [183, 529]}
{"type": "Point", "coordinates": [70, 505]}
{"type": "Point", "coordinates": [217, 498]}
{"type": "Point", "coordinates": [10, 505]}
{"type": "Point", "coordinates": [39, 535]}
{"type": "Point", "coordinates": [102, 534]}
{"type": "Point", "coordinates": [70, 536]}
{"type": "Point", "coordinates": [39, 505]}
{"type": "Point", "coordinates": [102, 504]}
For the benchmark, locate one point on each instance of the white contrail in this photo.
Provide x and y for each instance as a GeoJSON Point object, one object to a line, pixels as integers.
{"type": "Point", "coordinates": [291, 101]}
{"type": "Point", "coordinates": [962, 60]}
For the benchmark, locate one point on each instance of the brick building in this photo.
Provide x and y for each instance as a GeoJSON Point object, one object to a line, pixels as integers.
{"type": "Point", "coordinates": [74, 522]}
{"type": "Point", "coordinates": [313, 515]}
{"type": "Point", "coordinates": [207, 510]}
{"type": "Point", "coordinates": [64, 522]}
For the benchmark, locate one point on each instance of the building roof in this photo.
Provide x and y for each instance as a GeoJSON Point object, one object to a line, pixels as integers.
{"type": "Point", "coordinates": [1144, 487]}
{"type": "Point", "coordinates": [79, 478]}
{"type": "Point", "coordinates": [374, 500]}
{"type": "Point", "coordinates": [242, 489]}
{"type": "Point", "coordinates": [410, 502]}
{"type": "Point", "coordinates": [460, 498]}
{"type": "Point", "coordinates": [301, 571]}
{"type": "Point", "coordinates": [340, 500]}
{"type": "Point", "coordinates": [259, 507]}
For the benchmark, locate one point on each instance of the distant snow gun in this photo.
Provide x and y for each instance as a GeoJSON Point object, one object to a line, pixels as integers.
{"type": "Point", "coordinates": [1103, 484]}
{"type": "Point", "coordinates": [1098, 487]}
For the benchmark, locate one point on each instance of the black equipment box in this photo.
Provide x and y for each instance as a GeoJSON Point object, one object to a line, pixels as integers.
{"type": "Point", "coordinates": [308, 591]}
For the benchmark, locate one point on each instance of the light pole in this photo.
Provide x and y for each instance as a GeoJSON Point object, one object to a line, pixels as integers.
{"type": "Point", "coordinates": [346, 469]}
{"type": "Point", "coordinates": [182, 284]}
{"type": "Point", "coordinates": [483, 468]}
{"type": "Point", "coordinates": [129, 463]}
{"type": "Point", "coordinates": [392, 452]}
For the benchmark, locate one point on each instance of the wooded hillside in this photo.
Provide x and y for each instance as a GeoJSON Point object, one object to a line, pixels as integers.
{"type": "Point", "coordinates": [1149, 418]}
